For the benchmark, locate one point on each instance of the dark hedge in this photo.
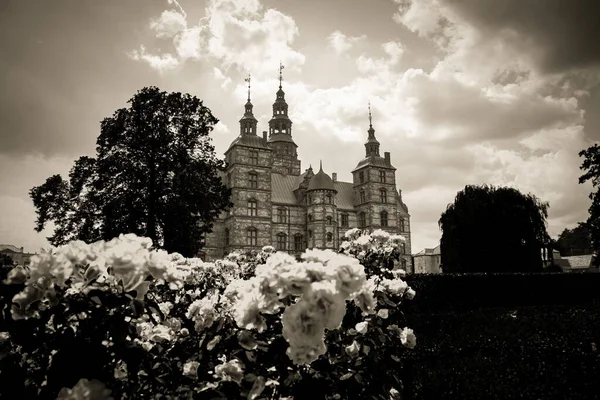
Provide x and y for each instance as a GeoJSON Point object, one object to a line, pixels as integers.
{"type": "Point", "coordinates": [509, 336]}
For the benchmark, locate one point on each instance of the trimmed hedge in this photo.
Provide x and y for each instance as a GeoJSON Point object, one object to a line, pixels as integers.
{"type": "Point", "coordinates": [504, 336]}
{"type": "Point", "coordinates": [466, 292]}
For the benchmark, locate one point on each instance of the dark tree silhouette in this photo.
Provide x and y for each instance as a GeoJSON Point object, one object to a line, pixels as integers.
{"type": "Point", "coordinates": [5, 259]}
{"type": "Point", "coordinates": [591, 166]}
{"type": "Point", "coordinates": [574, 242]}
{"type": "Point", "coordinates": [155, 174]}
{"type": "Point", "coordinates": [490, 229]}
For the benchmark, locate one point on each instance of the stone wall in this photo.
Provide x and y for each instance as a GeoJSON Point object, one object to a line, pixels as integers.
{"type": "Point", "coordinates": [427, 264]}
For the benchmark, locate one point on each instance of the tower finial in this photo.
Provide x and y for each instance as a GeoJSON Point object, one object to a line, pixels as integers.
{"type": "Point", "coordinates": [370, 119]}
{"type": "Point", "coordinates": [248, 80]}
{"type": "Point", "coordinates": [320, 165]}
{"type": "Point", "coordinates": [280, 73]}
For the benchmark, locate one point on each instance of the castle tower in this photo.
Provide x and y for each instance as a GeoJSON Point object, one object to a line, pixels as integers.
{"type": "Point", "coordinates": [322, 224]}
{"type": "Point", "coordinates": [285, 156]}
{"type": "Point", "coordinates": [377, 202]}
{"type": "Point", "coordinates": [248, 174]}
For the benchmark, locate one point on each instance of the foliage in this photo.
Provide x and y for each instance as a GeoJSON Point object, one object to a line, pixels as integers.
{"type": "Point", "coordinates": [489, 229]}
{"type": "Point", "coordinates": [591, 168]}
{"type": "Point", "coordinates": [159, 325]}
{"type": "Point", "coordinates": [507, 352]}
{"type": "Point", "coordinates": [574, 242]}
{"type": "Point", "coordinates": [155, 174]}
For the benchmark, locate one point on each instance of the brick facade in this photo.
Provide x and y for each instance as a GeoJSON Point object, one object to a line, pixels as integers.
{"type": "Point", "coordinates": [275, 204]}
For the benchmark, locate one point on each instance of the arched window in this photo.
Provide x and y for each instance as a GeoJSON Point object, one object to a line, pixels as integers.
{"type": "Point", "coordinates": [253, 179]}
{"type": "Point", "coordinates": [281, 241]}
{"type": "Point", "coordinates": [401, 225]}
{"type": "Point", "coordinates": [329, 199]}
{"type": "Point", "coordinates": [252, 208]}
{"type": "Point", "coordinates": [362, 220]}
{"type": "Point", "coordinates": [329, 237]}
{"type": "Point", "coordinates": [329, 220]}
{"type": "Point", "coordinates": [252, 237]}
{"type": "Point", "coordinates": [383, 195]}
{"type": "Point", "coordinates": [298, 245]}
{"type": "Point", "coordinates": [310, 218]}
{"type": "Point", "coordinates": [383, 216]}
{"type": "Point", "coordinates": [309, 198]}
{"type": "Point", "coordinates": [281, 215]}
{"type": "Point", "coordinates": [362, 196]}
{"type": "Point", "coordinates": [226, 236]}
{"type": "Point", "coordinates": [309, 234]}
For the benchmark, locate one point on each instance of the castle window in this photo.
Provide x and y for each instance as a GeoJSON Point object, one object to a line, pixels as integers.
{"type": "Point", "coordinates": [229, 179]}
{"type": "Point", "coordinates": [401, 225]}
{"type": "Point", "coordinates": [362, 220]}
{"type": "Point", "coordinates": [329, 220]}
{"type": "Point", "coordinates": [309, 199]}
{"type": "Point", "coordinates": [226, 236]}
{"type": "Point", "coordinates": [403, 264]}
{"type": "Point", "coordinates": [309, 217]}
{"type": "Point", "coordinates": [251, 237]}
{"type": "Point", "coordinates": [298, 245]}
{"type": "Point", "coordinates": [309, 234]}
{"type": "Point", "coordinates": [252, 208]}
{"type": "Point", "coordinates": [329, 199]}
{"type": "Point", "coordinates": [253, 179]}
{"type": "Point", "coordinates": [382, 176]}
{"type": "Point", "coordinates": [403, 248]}
{"type": "Point", "coordinates": [254, 157]}
{"type": "Point", "coordinates": [384, 218]}
{"type": "Point", "coordinates": [329, 237]}
{"type": "Point", "coordinates": [281, 215]}
{"type": "Point", "coordinates": [361, 176]}
{"type": "Point", "coordinates": [281, 241]}
{"type": "Point", "coordinates": [383, 195]}
{"type": "Point", "coordinates": [344, 220]}
{"type": "Point", "coordinates": [362, 196]}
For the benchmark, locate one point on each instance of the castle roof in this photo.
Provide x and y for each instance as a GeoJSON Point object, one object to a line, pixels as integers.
{"type": "Point", "coordinates": [321, 181]}
{"type": "Point", "coordinates": [10, 247]}
{"type": "Point", "coordinates": [283, 186]}
{"type": "Point", "coordinates": [249, 141]}
{"type": "Point", "coordinates": [281, 137]}
{"type": "Point", "coordinates": [374, 161]}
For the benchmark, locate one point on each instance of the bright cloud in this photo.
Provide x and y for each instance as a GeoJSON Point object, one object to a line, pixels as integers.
{"type": "Point", "coordinates": [342, 43]}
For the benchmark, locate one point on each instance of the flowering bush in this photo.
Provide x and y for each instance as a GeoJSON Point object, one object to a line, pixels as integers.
{"type": "Point", "coordinates": [160, 326]}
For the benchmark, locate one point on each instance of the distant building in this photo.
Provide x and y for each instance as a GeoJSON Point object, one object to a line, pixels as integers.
{"type": "Point", "coordinates": [583, 263]}
{"type": "Point", "coordinates": [16, 253]}
{"type": "Point", "coordinates": [428, 261]}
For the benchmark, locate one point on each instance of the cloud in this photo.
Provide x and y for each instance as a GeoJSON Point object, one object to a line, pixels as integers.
{"type": "Point", "coordinates": [162, 63]}
{"type": "Point", "coordinates": [341, 43]}
{"type": "Point", "coordinates": [168, 24]}
{"type": "Point", "coordinates": [239, 34]}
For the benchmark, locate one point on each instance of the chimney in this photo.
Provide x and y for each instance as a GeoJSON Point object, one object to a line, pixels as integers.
{"type": "Point", "coordinates": [334, 176]}
{"type": "Point", "coordinates": [387, 157]}
{"type": "Point", "coordinates": [265, 135]}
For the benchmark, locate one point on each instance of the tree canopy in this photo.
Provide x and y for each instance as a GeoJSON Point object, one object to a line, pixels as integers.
{"type": "Point", "coordinates": [155, 174]}
{"type": "Point", "coordinates": [574, 242]}
{"type": "Point", "coordinates": [5, 259]}
{"type": "Point", "coordinates": [489, 229]}
{"type": "Point", "coordinates": [591, 166]}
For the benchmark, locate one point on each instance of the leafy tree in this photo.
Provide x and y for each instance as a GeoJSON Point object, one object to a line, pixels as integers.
{"type": "Point", "coordinates": [490, 229]}
{"type": "Point", "coordinates": [574, 242]}
{"type": "Point", "coordinates": [155, 174]}
{"type": "Point", "coordinates": [591, 166]}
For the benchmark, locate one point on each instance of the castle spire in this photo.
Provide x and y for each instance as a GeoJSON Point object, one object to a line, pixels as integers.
{"type": "Point", "coordinates": [320, 165]}
{"type": "Point", "coordinates": [248, 80]}
{"type": "Point", "coordinates": [372, 145]}
{"type": "Point", "coordinates": [280, 73]}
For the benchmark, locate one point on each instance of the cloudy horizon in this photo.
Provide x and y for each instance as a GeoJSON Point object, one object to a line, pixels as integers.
{"type": "Point", "coordinates": [462, 91]}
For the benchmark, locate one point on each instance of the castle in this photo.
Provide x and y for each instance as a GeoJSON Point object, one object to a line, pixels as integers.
{"type": "Point", "coordinates": [276, 204]}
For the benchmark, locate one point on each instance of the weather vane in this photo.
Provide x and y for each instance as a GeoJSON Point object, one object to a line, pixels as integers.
{"type": "Point", "coordinates": [370, 121]}
{"type": "Point", "coordinates": [280, 74]}
{"type": "Point", "coordinates": [248, 80]}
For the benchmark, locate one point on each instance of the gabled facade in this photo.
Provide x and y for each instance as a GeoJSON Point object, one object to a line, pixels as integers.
{"type": "Point", "coordinates": [275, 204]}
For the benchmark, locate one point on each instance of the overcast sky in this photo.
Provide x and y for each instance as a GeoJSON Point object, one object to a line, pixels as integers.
{"type": "Point", "coordinates": [463, 92]}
